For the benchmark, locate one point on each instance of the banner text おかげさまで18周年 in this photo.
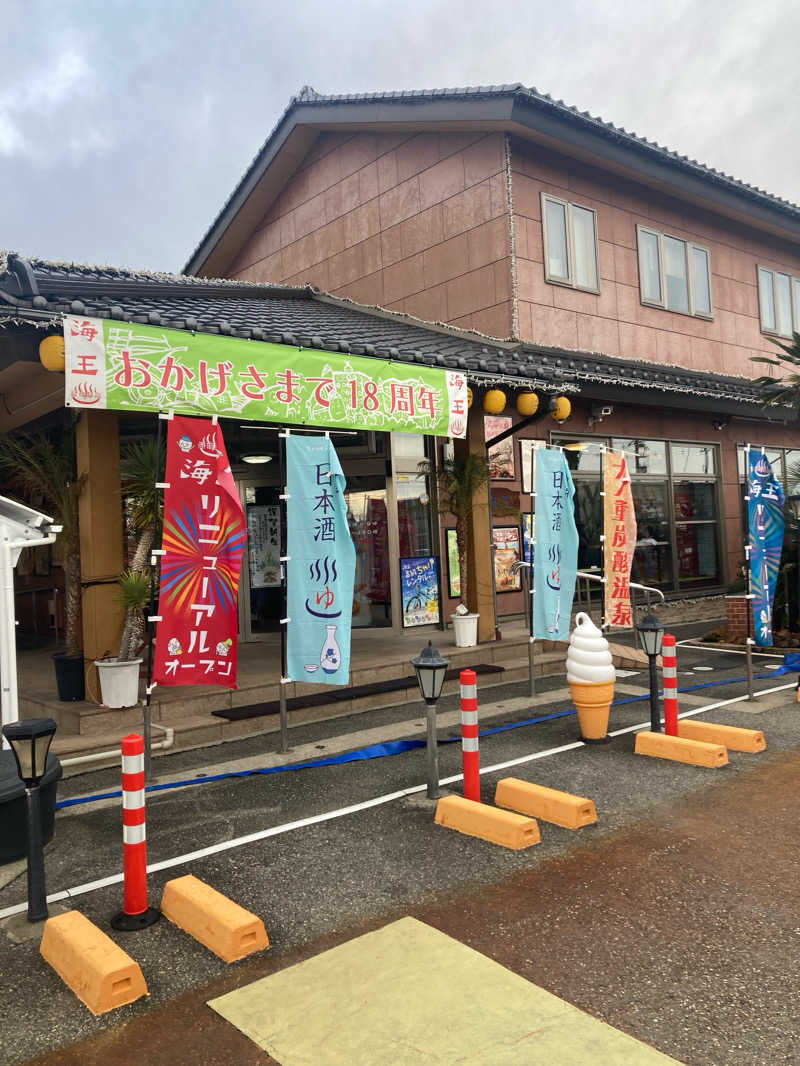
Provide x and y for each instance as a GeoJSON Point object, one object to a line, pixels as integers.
{"type": "Point", "coordinates": [127, 366]}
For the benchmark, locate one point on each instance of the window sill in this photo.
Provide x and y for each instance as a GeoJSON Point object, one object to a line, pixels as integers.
{"type": "Point", "coordinates": [672, 311]}
{"type": "Point", "coordinates": [564, 284]}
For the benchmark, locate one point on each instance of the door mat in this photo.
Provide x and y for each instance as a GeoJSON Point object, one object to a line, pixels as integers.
{"type": "Point", "coordinates": [410, 994]}
{"type": "Point", "coordinates": [339, 695]}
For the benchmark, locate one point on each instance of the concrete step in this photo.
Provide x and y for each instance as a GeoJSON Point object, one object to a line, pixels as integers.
{"type": "Point", "coordinates": [200, 730]}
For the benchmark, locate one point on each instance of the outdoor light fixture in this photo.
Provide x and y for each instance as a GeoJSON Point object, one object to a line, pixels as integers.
{"type": "Point", "coordinates": [253, 459]}
{"type": "Point", "coordinates": [431, 670]}
{"type": "Point", "coordinates": [651, 636]}
{"type": "Point", "coordinates": [30, 742]}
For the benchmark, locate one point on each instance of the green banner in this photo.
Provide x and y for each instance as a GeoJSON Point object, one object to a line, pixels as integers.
{"type": "Point", "coordinates": [130, 367]}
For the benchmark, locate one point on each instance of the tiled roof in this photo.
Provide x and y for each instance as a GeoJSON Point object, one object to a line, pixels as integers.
{"type": "Point", "coordinates": [308, 97]}
{"type": "Point", "coordinates": [36, 292]}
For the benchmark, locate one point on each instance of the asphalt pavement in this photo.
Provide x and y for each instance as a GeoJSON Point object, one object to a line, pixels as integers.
{"type": "Point", "coordinates": [321, 883]}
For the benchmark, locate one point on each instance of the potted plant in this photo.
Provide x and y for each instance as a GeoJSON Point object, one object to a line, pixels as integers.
{"type": "Point", "coordinates": [119, 677]}
{"type": "Point", "coordinates": [41, 470]}
{"type": "Point", "coordinates": [458, 480]}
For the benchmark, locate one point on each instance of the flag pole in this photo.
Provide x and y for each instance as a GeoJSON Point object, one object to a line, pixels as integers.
{"type": "Point", "coordinates": [531, 556]}
{"type": "Point", "coordinates": [604, 589]}
{"type": "Point", "coordinates": [750, 596]}
{"type": "Point", "coordinates": [156, 555]}
{"type": "Point", "coordinates": [284, 559]}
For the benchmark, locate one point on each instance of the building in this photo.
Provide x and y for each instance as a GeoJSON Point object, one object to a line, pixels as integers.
{"type": "Point", "coordinates": [490, 231]}
{"type": "Point", "coordinates": [648, 275]}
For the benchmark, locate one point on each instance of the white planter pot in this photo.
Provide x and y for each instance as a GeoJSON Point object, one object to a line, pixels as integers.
{"type": "Point", "coordinates": [119, 682]}
{"type": "Point", "coordinates": [465, 628]}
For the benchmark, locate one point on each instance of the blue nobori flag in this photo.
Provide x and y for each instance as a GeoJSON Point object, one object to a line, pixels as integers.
{"type": "Point", "coordinates": [556, 556]}
{"type": "Point", "coordinates": [765, 523]}
{"type": "Point", "coordinates": [321, 567]}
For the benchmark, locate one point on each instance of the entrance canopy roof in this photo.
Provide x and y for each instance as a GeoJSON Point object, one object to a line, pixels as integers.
{"type": "Point", "coordinates": [36, 295]}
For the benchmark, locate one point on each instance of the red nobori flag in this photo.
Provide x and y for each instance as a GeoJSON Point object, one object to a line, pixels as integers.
{"type": "Point", "coordinates": [204, 537]}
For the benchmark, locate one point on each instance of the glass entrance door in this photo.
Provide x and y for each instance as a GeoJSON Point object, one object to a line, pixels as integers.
{"type": "Point", "coordinates": [369, 518]}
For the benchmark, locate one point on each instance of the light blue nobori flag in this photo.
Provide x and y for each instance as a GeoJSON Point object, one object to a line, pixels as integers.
{"type": "Point", "coordinates": [555, 562]}
{"type": "Point", "coordinates": [321, 567]}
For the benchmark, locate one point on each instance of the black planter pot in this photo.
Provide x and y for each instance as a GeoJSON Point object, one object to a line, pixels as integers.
{"type": "Point", "coordinates": [13, 811]}
{"type": "Point", "coordinates": [69, 677]}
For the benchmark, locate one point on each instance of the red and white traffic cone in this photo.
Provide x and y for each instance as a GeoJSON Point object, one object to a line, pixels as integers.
{"type": "Point", "coordinates": [135, 913]}
{"type": "Point", "coordinates": [669, 672]}
{"type": "Point", "coordinates": [470, 754]}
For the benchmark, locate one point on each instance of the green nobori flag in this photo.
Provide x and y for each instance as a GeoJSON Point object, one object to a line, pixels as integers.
{"type": "Point", "coordinates": [130, 367]}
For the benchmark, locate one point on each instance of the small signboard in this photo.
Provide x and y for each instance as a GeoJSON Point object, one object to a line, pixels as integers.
{"type": "Point", "coordinates": [506, 553]}
{"type": "Point", "coordinates": [419, 584]}
{"type": "Point", "coordinates": [264, 545]}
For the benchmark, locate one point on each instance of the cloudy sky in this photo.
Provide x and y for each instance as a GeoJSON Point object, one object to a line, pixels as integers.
{"type": "Point", "coordinates": [125, 124]}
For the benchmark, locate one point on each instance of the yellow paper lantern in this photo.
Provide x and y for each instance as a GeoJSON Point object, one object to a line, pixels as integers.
{"type": "Point", "coordinates": [562, 409]}
{"type": "Point", "coordinates": [51, 352]}
{"type": "Point", "coordinates": [527, 403]}
{"type": "Point", "coordinates": [494, 401]}
{"type": "Point", "coordinates": [470, 397]}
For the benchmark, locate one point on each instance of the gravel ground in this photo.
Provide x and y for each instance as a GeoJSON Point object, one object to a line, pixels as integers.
{"type": "Point", "coordinates": [329, 879]}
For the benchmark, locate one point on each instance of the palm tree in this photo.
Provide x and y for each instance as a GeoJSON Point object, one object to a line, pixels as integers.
{"type": "Point", "coordinates": [781, 391]}
{"type": "Point", "coordinates": [138, 476]}
{"type": "Point", "coordinates": [41, 470]}
{"type": "Point", "coordinates": [458, 480]}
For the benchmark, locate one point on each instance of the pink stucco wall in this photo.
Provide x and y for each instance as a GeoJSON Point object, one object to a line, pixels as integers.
{"type": "Point", "coordinates": [417, 223]}
{"type": "Point", "coordinates": [615, 321]}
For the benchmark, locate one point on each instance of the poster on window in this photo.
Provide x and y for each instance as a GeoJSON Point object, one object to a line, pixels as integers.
{"type": "Point", "coordinates": [453, 565]}
{"type": "Point", "coordinates": [619, 528]}
{"type": "Point", "coordinates": [506, 553]}
{"type": "Point", "coordinates": [203, 543]}
{"type": "Point", "coordinates": [419, 586]}
{"type": "Point", "coordinates": [527, 457]}
{"type": "Point", "coordinates": [264, 546]}
{"type": "Point", "coordinates": [501, 456]}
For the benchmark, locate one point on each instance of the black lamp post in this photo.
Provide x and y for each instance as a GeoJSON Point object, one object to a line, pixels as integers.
{"type": "Point", "coordinates": [30, 742]}
{"type": "Point", "coordinates": [651, 635]}
{"type": "Point", "coordinates": [431, 671]}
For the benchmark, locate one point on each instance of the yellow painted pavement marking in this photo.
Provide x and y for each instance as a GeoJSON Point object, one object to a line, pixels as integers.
{"type": "Point", "coordinates": [408, 994]}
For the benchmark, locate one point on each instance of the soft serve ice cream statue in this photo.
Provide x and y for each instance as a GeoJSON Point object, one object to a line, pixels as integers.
{"type": "Point", "coordinates": [591, 676]}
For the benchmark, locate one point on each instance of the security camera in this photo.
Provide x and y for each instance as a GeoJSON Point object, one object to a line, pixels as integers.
{"type": "Point", "coordinates": [598, 412]}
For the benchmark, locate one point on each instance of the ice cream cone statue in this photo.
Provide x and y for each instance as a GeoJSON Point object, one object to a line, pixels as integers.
{"type": "Point", "coordinates": [591, 676]}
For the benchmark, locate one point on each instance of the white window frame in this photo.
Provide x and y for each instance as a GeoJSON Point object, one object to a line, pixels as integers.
{"type": "Point", "coordinates": [569, 281]}
{"type": "Point", "coordinates": [794, 301]}
{"type": "Point", "coordinates": [689, 246]}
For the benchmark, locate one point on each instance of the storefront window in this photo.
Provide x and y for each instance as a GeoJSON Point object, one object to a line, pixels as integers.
{"type": "Point", "coordinates": [409, 446]}
{"type": "Point", "coordinates": [697, 554]}
{"type": "Point", "coordinates": [583, 456]}
{"type": "Point", "coordinates": [414, 516]}
{"type": "Point", "coordinates": [695, 501]}
{"type": "Point", "coordinates": [643, 456]}
{"type": "Point", "coordinates": [677, 546]}
{"type": "Point", "coordinates": [589, 520]}
{"type": "Point", "coordinates": [368, 519]}
{"type": "Point", "coordinates": [652, 561]}
{"type": "Point", "coordinates": [693, 459]}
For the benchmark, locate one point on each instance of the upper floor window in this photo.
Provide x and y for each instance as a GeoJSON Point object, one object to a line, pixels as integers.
{"type": "Point", "coordinates": [674, 274]}
{"type": "Point", "coordinates": [570, 244]}
{"type": "Point", "coordinates": [779, 301]}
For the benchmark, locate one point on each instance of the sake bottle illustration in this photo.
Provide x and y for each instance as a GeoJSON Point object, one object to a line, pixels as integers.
{"type": "Point", "coordinates": [330, 658]}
